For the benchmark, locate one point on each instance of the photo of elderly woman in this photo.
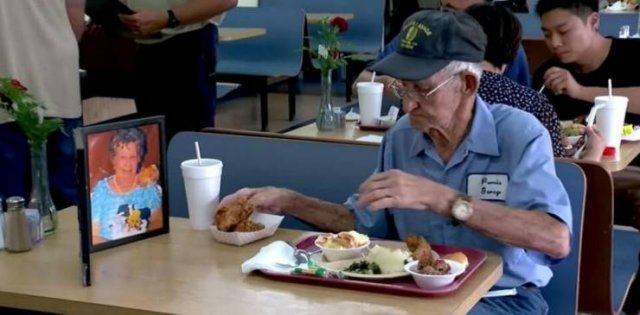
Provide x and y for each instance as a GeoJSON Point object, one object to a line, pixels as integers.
{"type": "Point", "coordinates": [126, 198]}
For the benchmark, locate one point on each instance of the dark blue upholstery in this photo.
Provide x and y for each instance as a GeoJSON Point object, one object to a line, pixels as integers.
{"type": "Point", "coordinates": [277, 53]}
{"type": "Point", "coordinates": [626, 246]}
{"type": "Point", "coordinates": [329, 171]}
{"type": "Point", "coordinates": [562, 292]}
{"type": "Point", "coordinates": [366, 29]}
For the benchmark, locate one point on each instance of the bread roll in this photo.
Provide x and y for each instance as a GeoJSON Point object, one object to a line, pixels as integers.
{"type": "Point", "coordinates": [458, 257]}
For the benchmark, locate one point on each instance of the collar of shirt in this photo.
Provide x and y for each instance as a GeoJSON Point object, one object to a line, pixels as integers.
{"type": "Point", "coordinates": [481, 139]}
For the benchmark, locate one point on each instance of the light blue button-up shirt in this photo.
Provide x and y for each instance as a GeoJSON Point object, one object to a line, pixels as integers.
{"type": "Point", "coordinates": [502, 141]}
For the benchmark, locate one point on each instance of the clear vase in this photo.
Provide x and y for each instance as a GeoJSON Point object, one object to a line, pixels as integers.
{"type": "Point", "coordinates": [40, 193]}
{"type": "Point", "coordinates": [326, 119]}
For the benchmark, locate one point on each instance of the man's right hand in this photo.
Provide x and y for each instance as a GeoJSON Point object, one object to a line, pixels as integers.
{"type": "Point", "coordinates": [267, 199]}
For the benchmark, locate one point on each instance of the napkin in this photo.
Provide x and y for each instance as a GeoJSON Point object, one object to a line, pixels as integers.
{"type": "Point", "coordinates": [275, 257]}
{"type": "Point", "coordinates": [371, 138]}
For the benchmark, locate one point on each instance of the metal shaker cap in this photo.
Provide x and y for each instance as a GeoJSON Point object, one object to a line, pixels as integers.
{"type": "Point", "coordinates": [15, 203]}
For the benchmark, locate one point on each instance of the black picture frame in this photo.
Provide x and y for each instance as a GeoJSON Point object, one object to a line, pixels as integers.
{"type": "Point", "coordinates": [92, 155]}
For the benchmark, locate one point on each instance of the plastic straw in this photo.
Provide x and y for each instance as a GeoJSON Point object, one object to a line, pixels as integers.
{"type": "Point", "coordinates": [541, 89]}
{"type": "Point", "coordinates": [373, 77]}
{"type": "Point", "coordinates": [610, 89]}
{"type": "Point", "coordinates": [198, 153]}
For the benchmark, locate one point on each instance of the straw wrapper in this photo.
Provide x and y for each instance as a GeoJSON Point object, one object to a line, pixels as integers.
{"type": "Point", "coordinates": [270, 222]}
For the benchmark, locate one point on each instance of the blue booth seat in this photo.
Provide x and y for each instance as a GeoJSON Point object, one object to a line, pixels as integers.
{"type": "Point", "coordinates": [276, 54]}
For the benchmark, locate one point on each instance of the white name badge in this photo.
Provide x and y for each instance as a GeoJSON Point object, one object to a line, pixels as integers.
{"type": "Point", "coordinates": [488, 186]}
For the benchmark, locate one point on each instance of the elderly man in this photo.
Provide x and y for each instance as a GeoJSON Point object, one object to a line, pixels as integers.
{"type": "Point", "coordinates": [454, 169]}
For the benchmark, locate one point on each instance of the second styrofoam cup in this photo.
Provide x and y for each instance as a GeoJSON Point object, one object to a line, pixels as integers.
{"type": "Point", "coordinates": [610, 120]}
{"type": "Point", "coordinates": [370, 102]}
{"type": "Point", "coordinates": [202, 186]}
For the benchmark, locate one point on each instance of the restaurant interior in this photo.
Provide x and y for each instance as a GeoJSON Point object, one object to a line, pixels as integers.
{"type": "Point", "coordinates": [229, 156]}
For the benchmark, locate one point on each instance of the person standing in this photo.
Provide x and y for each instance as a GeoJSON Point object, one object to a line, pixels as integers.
{"type": "Point", "coordinates": [39, 48]}
{"type": "Point", "coordinates": [176, 59]}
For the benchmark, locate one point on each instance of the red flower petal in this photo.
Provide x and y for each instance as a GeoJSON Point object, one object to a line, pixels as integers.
{"type": "Point", "coordinates": [16, 84]}
{"type": "Point", "coordinates": [340, 23]}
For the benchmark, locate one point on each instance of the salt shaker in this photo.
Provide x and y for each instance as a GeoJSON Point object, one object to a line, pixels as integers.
{"type": "Point", "coordinates": [16, 228]}
{"type": "Point", "coordinates": [340, 117]}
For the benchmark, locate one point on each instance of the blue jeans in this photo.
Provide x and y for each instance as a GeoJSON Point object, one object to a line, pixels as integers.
{"type": "Point", "coordinates": [15, 163]}
{"type": "Point", "coordinates": [529, 300]}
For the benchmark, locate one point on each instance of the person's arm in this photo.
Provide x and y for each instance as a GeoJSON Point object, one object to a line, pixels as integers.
{"type": "Point", "coordinates": [325, 215]}
{"type": "Point", "coordinates": [560, 81]}
{"type": "Point", "coordinates": [147, 22]}
{"type": "Point", "coordinates": [75, 12]}
{"type": "Point", "coordinates": [535, 230]}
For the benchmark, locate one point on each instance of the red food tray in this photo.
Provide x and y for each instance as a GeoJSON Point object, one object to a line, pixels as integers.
{"type": "Point", "coordinates": [378, 128]}
{"type": "Point", "coordinates": [398, 286]}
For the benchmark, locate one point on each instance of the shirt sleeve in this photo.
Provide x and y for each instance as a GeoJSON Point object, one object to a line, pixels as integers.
{"type": "Point", "coordinates": [533, 185]}
{"type": "Point", "coordinates": [518, 69]}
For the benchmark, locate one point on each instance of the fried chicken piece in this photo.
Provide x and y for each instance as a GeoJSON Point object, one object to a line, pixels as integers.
{"type": "Point", "coordinates": [421, 251]}
{"type": "Point", "coordinates": [227, 218]}
{"type": "Point", "coordinates": [248, 226]}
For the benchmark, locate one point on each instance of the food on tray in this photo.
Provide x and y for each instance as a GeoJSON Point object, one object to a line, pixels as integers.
{"type": "Point", "coordinates": [381, 260]}
{"type": "Point", "coordinates": [627, 130]}
{"type": "Point", "coordinates": [235, 218]}
{"type": "Point", "coordinates": [458, 257]}
{"type": "Point", "coordinates": [421, 251]}
{"type": "Point", "coordinates": [571, 129]}
{"type": "Point", "coordinates": [389, 260]}
{"type": "Point", "coordinates": [342, 240]}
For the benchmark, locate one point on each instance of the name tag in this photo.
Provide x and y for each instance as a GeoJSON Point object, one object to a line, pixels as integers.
{"type": "Point", "coordinates": [488, 186]}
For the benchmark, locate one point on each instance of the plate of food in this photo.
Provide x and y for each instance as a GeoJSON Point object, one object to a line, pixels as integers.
{"type": "Point", "coordinates": [381, 260]}
{"type": "Point", "coordinates": [572, 133]}
{"type": "Point", "coordinates": [238, 224]}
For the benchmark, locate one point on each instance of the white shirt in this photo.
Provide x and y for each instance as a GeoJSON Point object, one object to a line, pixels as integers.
{"type": "Point", "coordinates": [163, 5]}
{"type": "Point", "coordinates": [38, 48]}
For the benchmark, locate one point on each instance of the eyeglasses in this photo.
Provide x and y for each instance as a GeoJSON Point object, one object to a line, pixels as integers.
{"type": "Point", "coordinates": [400, 92]}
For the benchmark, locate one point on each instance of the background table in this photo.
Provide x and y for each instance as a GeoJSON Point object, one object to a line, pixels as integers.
{"type": "Point", "coordinates": [350, 133]}
{"type": "Point", "coordinates": [227, 34]}
{"type": "Point", "coordinates": [628, 152]}
{"type": "Point", "coordinates": [189, 272]}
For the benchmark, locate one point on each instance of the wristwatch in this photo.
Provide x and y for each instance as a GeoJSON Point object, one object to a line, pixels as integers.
{"type": "Point", "coordinates": [462, 209]}
{"type": "Point", "coordinates": [173, 21]}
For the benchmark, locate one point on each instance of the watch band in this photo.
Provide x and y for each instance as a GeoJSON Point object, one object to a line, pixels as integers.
{"type": "Point", "coordinates": [172, 21]}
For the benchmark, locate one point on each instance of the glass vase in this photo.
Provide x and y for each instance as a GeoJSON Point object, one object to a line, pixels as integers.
{"type": "Point", "coordinates": [326, 119]}
{"type": "Point", "coordinates": [40, 193]}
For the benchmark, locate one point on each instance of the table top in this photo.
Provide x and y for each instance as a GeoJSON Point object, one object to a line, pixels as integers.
{"type": "Point", "coordinates": [350, 133]}
{"type": "Point", "coordinates": [227, 34]}
{"type": "Point", "coordinates": [629, 150]}
{"type": "Point", "coordinates": [188, 272]}
{"type": "Point", "coordinates": [316, 17]}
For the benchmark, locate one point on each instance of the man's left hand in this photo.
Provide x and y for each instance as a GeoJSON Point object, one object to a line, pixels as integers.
{"type": "Point", "coordinates": [397, 189]}
{"type": "Point", "coordinates": [560, 81]}
{"type": "Point", "coordinates": [145, 23]}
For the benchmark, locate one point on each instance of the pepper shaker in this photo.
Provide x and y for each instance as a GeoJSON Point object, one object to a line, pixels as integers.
{"type": "Point", "coordinates": [16, 228]}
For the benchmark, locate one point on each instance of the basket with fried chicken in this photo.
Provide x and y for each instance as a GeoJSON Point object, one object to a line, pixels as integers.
{"type": "Point", "coordinates": [238, 224]}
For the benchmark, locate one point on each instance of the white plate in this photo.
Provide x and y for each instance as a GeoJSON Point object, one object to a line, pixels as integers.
{"type": "Point", "coordinates": [339, 266]}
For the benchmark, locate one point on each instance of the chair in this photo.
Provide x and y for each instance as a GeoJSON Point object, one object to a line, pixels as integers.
{"type": "Point", "coordinates": [276, 54]}
{"type": "Point", "coordinates": [365, 36]}
{"type": "Point", "coordinates": [597, 260]}
{"type": "Point", "coordinates": [330, 171]}
{"type": "Point", "coordinates": [562, 292]}
{"type": "Point", "coordinates": [626, 245]}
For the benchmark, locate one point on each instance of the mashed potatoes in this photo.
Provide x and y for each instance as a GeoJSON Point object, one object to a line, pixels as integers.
{"type": "Point", "coordinates": [389, 260]}
{"type": "Point", "coordinates": [343, 240]}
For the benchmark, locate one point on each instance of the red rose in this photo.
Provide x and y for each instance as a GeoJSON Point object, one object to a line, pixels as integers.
{"type": "Point", "coordinates": [16, 84]}
{"type": "Point", "coordinates": [335, 54]}
{"type": "Point", "coordinates": [340, 23]}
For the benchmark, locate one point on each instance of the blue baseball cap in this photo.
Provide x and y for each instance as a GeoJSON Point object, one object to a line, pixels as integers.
{"type": "Point", "coordinates": [429, 41]}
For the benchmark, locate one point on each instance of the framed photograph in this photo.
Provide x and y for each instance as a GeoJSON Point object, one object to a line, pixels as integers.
{"type": "Point", "coordinates": [125, 180]}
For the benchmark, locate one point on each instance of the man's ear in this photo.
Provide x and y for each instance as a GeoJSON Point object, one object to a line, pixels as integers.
{"type": "Point", "coordinates": [470, 83]}
{"type": "Point", "coordinates": [593, 21]}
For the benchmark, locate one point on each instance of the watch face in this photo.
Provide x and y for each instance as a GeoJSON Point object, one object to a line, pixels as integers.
{"type": "Point", "coordinates": [462, 211]}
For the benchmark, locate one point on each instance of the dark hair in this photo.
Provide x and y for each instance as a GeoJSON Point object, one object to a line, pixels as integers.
{"type": "Point", "coordinates": [581, 8]}
{"type": "Point", "coordinates": [130, 135]}
{"type": "Point", "coordinates": [503, 31]}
